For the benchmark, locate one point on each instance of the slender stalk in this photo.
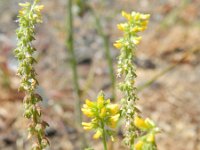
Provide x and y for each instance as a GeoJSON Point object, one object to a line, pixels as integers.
{"type": "Point", "coordinates": [104, 136]}
{"type": "Point", "coordinates": [107, 51]}
{"type": "Point", "coordinates": [70, 46]}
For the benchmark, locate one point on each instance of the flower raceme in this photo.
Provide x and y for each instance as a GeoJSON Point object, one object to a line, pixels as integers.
{"type": "Point", "coordinates": [139, 133]}
{"type": "Point", "coordinates": [103, 114]}
{"type": "Point", "coordinates": [136, 23]}
{"type": "Point", "coordinates": [28, 17]}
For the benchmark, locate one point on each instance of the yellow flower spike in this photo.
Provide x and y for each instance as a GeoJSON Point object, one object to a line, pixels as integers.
{"type": "Point", "coordinates": [98, 134]}
{"type": "Point", "coordinates": [88, 112]}
{"type": "Point", "coordinates": [151, 138]}
{"type": "Point", "coordinates": [89, 103]}
{"type": "Point", "coordinates": [87, 126]}
{"type": "Point", "coordinates": [103, 112]}
{"type": "Point", "coordinates": [113, 108]}
{"type": "Point", "coordinates": [113, 121]}
{"type": "Point", "coordinates": [139, 145]}
{"type": "Point", "coordinates": [118, 45]}
{"type": "Point", "coordinates": [126, 15]}
{"type": "Point", "coordinates": [140, 123]}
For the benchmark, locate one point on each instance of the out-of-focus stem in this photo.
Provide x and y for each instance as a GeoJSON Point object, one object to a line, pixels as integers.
{"type": "Point", "coordinates": [104, 136]}
{"type": "Point", "coordinates": [70, 46]}
{"type": "Point", "coordinates": [107, 51]}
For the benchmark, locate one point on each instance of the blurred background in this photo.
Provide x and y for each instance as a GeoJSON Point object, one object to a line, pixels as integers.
{"type": "Point", "coordinates": [168, 69]}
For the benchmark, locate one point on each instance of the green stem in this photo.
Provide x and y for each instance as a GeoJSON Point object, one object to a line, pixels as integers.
{"type": "Point", "coordinates": [107, 51]}
{"type": "Point", "coordinates": [70, 46]}
{"type": "Point", "coordinates": [104, 136]}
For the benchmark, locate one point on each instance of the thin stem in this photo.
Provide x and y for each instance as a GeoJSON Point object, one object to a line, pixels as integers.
{"type": "Point", "coordinates": [104, 136]}
{"type": "Point", "coordinates": [70, 46]}
{"type": "Point", "coordinates": [107, 51]}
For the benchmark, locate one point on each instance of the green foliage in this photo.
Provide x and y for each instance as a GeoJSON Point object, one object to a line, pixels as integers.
{"type": "Point", "coordinates": [28, 17]}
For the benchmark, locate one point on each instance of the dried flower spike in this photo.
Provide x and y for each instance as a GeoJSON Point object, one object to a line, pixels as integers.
{"type": "Point", "coordinates": [135, 126]}
{"type": "Point", "coordinates": [28, 17]}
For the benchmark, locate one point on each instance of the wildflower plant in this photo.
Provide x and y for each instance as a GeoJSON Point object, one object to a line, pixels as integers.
{"type": "Point", "coordinates": [104, 117]}
{"type": "Point", "coordinates": [28, 17]}
{"type": "Point", "coordinates": [136, 128]}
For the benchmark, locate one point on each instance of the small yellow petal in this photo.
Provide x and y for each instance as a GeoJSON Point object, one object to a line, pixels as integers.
{"type": "Point", "coordinates": [89, 103]}
{"type": "Point", "coordinates": [39, 8]}
{"type": "Point", "coordinates": [126, 15]}
{"type": "Point", "coordinates": [113, 121]}
{"type": "Point", "coordinates": [103, 112]}
{"type": "Point", "coordinates": [144, 23]}
{"type": "Point", "coordinates": [139, 145]}
{"type": "Point", "coordinates": [137, 16]}
{"type": "Point", "coordinates": [135, 29]}
{"type": "Point", "coordinates": [113, 108]}
{"type": "Point", "coordinates": [100, 100]}
{"type": "Point", "coordinates": [117, 45]}
{"type": "Point", "coordinates": [121, 26]}
{"type": "Point", "coordinates": [145, 16]}
{"type": "Point", "coordinates": [140, 123]}
{"type": "Point", "coordinates": [97, 135]}
{"type": "Point", "coordinates": [87, 126]}
{"type": "Point", "coordinates": [88, 112]}
{"type": "Point", "coordinates": [151, 138]}
{"type": "Point", "coordinates": [137, 40]}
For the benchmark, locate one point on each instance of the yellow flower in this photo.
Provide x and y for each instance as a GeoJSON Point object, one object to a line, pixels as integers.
{"type": "Point", "coordinates": [98, 134]}
{"type": "Point", "coordinates": [137, 40]}
{"type": "Point", "coordinates": [151, 138]}
{"type": "Point", "coordinates": [100, 100]}
{"type": "Point", "coordinates": [87, 126]}
{"type": "Point", "coordinates": [113, 108]}
{"type": "Point", "coordinates": [38, 8]}
{"type": "Point", "coordinates": [144, 23]}
{"type": "Point", "coordinates": [137, 16]}
{"type": "Point", "coordinates": [121, 26]}
{"type": "Point", "coordinates": [139, 145]}
{"type": "Point", "coordinates": [145, 16]}
{"type": "Point", "coordinates": [113, 121]}
{"type": "Point", "coordinates": [89, 103]}
{"type": "Point", "coordinates": [126, 15]}
{"type": "Point", "coordinates": [117, 45]}
{"type": "Point", "coordinates": [140, 123]}
{"type": "Point", "coordinates": [88, 112]}
{"type": "Point", "coordinates": [103, 112]}
{"type": "Point", "coordinates": [135, 29]}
